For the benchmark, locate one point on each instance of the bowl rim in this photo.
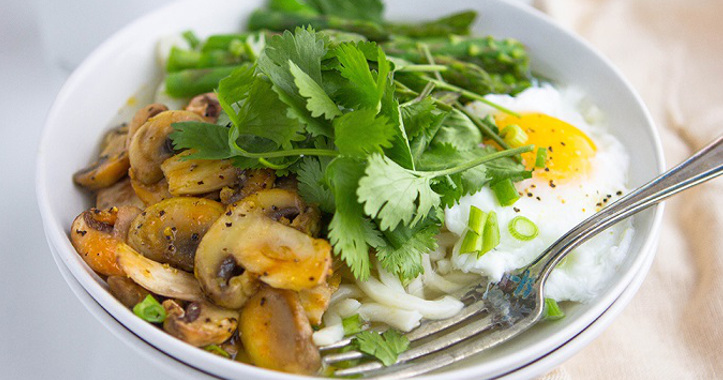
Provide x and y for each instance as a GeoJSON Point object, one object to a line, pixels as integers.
{"type": "Point", "coordinates": [57, 237]}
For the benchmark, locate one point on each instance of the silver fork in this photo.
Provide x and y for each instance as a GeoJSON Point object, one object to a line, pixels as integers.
{"type": "Point", "coordinates": [516, 302]}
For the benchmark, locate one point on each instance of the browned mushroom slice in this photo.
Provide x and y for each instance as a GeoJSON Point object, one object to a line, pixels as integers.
{"type": "Point", "coordinates": [249, 182]}
{"type": "Point", "coordinates": [112, 164]}
{"type": "Point", "coordinates": [150, 145]}
{"type": "Point", "coordinates": [125, 216]}
{"type": "Point", "coordinates": [170, 230]}
{"type": "Point", "coordinates": [276, 333]}
{"type": "Point", "coordinates": [196, 177]}
{"type": "Point", "coordinates": [92, 236]}
{"type": "Point", "coordinates": [206, 105]}
{"type": "Point", "coordinates": [119, 194]}
{"type": "Point", "coordinates": [126, 290]}
{"type": "Point", "coordinates": [245, 237]}
{"type": "Point", "coordinates": [149, 194]}
{"type": "Point", "coordinates": [316, 300]}
{"type": "Point", "coordinates": [200, 323]}
{"type": "Point", "coordinates": [158, 278]}
{"type": "Point", "coordinates": [141, 116]}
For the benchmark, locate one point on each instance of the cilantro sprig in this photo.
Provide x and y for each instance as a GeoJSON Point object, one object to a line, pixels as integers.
{"type": "Point", "coordinates": [369, 137]}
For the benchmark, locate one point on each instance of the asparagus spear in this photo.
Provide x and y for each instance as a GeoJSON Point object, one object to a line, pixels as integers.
{"type": "Point", "coordinates": [187, 83]}
{"type": "Point", "coordinates": [181, 59]}
{"type": "Point", "coordinates": [280, 21]}
{"type": "Point", "coordinates": [457, 23]}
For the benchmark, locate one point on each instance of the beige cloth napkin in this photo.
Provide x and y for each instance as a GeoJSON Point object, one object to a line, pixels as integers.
{"type": "Point", "coordinates": [672, 53]}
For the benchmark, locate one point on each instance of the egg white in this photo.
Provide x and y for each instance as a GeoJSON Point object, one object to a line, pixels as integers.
{"type": "Point", "coordinates": [555, 210]}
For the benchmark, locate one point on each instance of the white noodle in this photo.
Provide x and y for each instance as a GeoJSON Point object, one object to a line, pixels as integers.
{"type": "Point", "coordinates": [404, 320]}
{"type": "Point", "coordinates": [438, 309]}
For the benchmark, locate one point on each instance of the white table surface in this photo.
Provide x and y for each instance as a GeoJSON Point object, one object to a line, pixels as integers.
{"type": "Point", "coordinates": [45, 332]}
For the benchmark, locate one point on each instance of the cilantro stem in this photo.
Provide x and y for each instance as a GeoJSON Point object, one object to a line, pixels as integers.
{"type": "Point", "coordinates": [423, 68]}
{"type": "Point", "coordinates": [471, 95]}
{"type": "Point", "coordinates": [476, 162]}
{"type": "Point", "coordinates": [483, 126]}
{"type": "Point", "coordinates": [284, 153]}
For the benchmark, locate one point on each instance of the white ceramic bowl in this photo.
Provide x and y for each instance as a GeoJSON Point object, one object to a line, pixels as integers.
{"type": "Point", "coordinates": [124, 66]}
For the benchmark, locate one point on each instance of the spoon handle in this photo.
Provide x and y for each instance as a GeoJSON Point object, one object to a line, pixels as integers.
{"type": "Point", "coordinates": [704, 165]}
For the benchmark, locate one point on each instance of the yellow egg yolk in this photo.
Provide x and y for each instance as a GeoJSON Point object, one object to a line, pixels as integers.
{"type": "Point", "coordinates": [569, 150]}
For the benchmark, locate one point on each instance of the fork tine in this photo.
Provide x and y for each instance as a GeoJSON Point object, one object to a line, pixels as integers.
{"type": "Point", "coordinates": [454, 354]}
{"type": "Point", "coordinates": [426, 329]}
{"type": "Point", "coordinates": [463, 333]}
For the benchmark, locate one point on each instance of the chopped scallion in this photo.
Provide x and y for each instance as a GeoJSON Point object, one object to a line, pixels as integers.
{"type": "Point", "coordinates": [522, 228]}
{"type": "Point", "coordinates": [552, 310]}
{"type": "Point", "coordinates": [470, 242]}
{"type": "Point", "coordinates": [150, 310]}
{"type": "Point", "coordinates": [541, 158]}
{"type": "Point", "coordinates": [214, 349]}
{"type": "Point", "coordinates": [490, 235]}
{"type": "Point", "coordinates": [505, 192]}
{"type": "Point", "coordinates": [476, 219]}
{"type": "Point", "coordinates": [514, 135]}
{"type": "Point", "coordinates": [352, 324]}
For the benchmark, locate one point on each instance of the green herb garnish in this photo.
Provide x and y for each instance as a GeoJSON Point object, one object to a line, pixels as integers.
{"type": "Point", "coordinates": [150, 310]}
{"type": "Point", "coordinates": [385, 346]}
{"type": "Point", "coordinates": [374, 132]}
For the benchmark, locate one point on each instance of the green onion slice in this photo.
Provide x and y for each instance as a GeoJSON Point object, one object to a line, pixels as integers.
{"type": "Point", "coordinates": [552, 310]}
{"type": "Point", "coordinates": [150, 310]}
{"type": "Point", "coordinates": [214, 349]}
{"type": "Point", "coordinates": [470, 242]}
{"type": "Point", "coordinates": [505, 192]}
{"type": "Point", "coordinates": [522, 228]}
{"type": "Point", "coordinates": [490, 235]}
{"type": "Point", "coordinates": [514, 135]}
{"type": "Point", "coordinates": [541, 158]}
{"type": "Point", "coordinates": [352, 324]}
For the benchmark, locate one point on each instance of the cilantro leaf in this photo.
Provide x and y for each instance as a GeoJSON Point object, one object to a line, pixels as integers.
{"type": "Point", "coordinates": [350, 231]}
{"type": "Point", "coordinates": [210, 141]}
{"type": "Point", "coordinates": [361, 132]}
{"type": "Point", "coordinates": [400, 151]}
{"type": "Point", "coordinates": [403, 253]}
{"type": "Point", "coordinates": [262, 114]}
{"type": "Point", "coordinates": [305, 49]}
{"type": "Point", "coordinates": [318, 102]}
{"type": "Point", "coordinates": [394, 194]}
{"type": "Point", "coordinates": [386, 346]}
{"type": "Point", "coordinates": [364, 88]}
{"type": "Point", "coordinates": [420, 116]}
{"type": "Point", "coordinates": [235, 88]}
{"type": "Point", "coordinates": [312, 185]}
{"type": "Point", "coordinates": [459, 131]}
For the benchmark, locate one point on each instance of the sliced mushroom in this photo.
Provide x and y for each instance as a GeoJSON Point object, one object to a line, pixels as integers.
{"type": "Point", "coordinates": [126, 290]}
{"type": "Point", "coordinates": [141, 116]}
{"type": "Point", "coordinates": [112, 164]}
{"type": "Point", "coordinates": [276, 333]}
{"type": "Point", "coordinates": [249, 182]}
{"type": "Point", "coordinates": [246, 237]}
{"type": "Point", "coordinates": [119, 194]}
{"type": "Point", "coordinates": [149, 194]}
{"type": "Point", "coordinates": [200, 323]}
{"type": "Point", "coordinates": [158, 278]}
{"type": "Point", "coordinates": [150, 145]}
{"type": "Point", "coordinates": [92, 236]}
{"type": "Point", "coordinates": [206, 105]}
{"type": "Point", "coordinates": [170, 230]}
{"type": "Point", "coordinates": [315, 301]}
{"type": "Point", "coordinates": [125, 216]}
{"type": "Point", "coordinates": [195, 176]}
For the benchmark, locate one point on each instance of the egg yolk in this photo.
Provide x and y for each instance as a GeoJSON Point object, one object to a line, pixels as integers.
{"type": "Point", "coordinates": [569, 150]}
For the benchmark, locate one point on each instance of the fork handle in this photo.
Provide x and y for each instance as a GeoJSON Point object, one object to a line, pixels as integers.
{"type": "Point", "coordinates": [704, 165]}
